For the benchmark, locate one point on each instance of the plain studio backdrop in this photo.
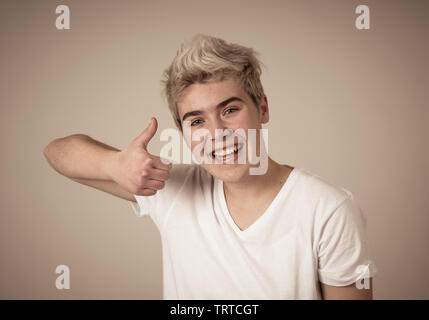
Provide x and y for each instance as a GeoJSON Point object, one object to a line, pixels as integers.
{"type": "Point", "coordinates": [349, 105]}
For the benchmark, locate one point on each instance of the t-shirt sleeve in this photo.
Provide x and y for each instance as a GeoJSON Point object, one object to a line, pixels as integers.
{"type": "Point", "coordinates": [158, 206]}
{"type": "Point", "coordinates": [343, 248]}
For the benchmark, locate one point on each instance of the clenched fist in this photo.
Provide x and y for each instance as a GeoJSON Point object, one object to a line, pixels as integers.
{"type": "Point", "coordinates": [136, 170]}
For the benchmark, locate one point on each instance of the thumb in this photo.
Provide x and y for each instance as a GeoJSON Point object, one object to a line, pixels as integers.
{"type": "Point", "coordinates": [148, 133]}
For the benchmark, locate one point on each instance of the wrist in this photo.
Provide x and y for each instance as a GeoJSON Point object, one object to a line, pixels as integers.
{"type": "Point", "coordinates": [110, 164]}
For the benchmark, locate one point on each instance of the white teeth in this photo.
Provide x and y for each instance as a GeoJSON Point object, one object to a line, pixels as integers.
{"type": "Point", "coordinates": [222, 153]}
{"type": "Point", "coordinates": [226, 152]}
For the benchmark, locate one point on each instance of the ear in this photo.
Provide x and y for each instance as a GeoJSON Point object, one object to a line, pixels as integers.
{"type": "Point", "coordinates": [263, 110]}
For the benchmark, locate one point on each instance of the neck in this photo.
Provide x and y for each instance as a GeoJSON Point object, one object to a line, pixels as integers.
{"type": "Point", "coordinates": [257, 185]}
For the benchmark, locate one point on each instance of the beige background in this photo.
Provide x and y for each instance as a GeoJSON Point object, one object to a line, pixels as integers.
{"type": "Point", "coordinates": [349, 105]}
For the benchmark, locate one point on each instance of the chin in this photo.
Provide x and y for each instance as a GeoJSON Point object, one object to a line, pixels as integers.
{"type": "Point", "coordinates": [230, 173]}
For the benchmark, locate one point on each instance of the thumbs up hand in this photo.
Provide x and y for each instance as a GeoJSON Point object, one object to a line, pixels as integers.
{"type": "Point", "coordinates": [136, 170]}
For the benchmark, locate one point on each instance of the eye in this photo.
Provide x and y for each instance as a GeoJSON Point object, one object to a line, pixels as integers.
{"type": "Point", "coordinates": [195, 122]}
{"type": "Point", "coordinates": [230, 110]}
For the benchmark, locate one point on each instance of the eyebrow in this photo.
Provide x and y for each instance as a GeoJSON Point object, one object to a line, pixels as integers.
{"type": "Point", "coordinates": [219, 106]}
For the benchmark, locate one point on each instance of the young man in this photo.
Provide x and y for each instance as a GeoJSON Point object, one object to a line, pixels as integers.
{"type": "Point", "coordinates": [227, 233]}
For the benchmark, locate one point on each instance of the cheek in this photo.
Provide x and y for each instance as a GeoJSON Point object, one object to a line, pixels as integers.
{"type": "Point", "coordinates": [245, 123]}
{"type": "Point", "coordinates": [251, 125]}
{"type": "Point", "coordinates": [188, 133]}
{"type": "Point", "coordinates": [194, 143]}
{"type": "Point", "coordinates": [249, 119]}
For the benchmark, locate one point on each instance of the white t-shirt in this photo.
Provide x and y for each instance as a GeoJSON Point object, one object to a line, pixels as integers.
{"type": "Point", "coordinates": [311, 232]}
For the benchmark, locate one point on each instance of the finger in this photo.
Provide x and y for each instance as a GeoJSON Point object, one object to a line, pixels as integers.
{"type": "Point", "coordinates": [147, 134]}
{"type": "Point", "coordinates": [159, 174]}
{"type": "Point", "coordinates": [154, 184]}
{"type": "Point", "coordinates": [162, 164]}
{"type": "Point", "coordinates": [146, 192]}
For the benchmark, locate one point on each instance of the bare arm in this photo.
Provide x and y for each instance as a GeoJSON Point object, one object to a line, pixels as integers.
{"type": "Point", "coordinates": [132, 171]}
{"type": "Point", "coordinates": [108, 186]}
{"type": "Point", "coordinates": [346, 293]}
{"type": "Point", "coordinates": [86, 161]}
{"type": "Point", "coordinates": [80, 157]}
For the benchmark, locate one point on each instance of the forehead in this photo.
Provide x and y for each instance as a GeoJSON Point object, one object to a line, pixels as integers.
{"type": "Point", "coordinates": [201, 96]}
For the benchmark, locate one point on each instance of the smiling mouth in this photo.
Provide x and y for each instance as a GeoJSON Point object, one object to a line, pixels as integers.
{"type": "Point", "coordinates": [223, 154]}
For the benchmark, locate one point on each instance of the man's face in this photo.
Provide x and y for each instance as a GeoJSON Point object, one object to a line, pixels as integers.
{"type": "Point", "coordinates": [222, 105]}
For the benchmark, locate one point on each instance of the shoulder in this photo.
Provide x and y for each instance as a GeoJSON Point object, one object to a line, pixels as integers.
{"type": "Point", "coordinates": [319, 188]}
{"type": "Point", "coordinates": [332, 209]}
{"type": "Point", "coordinates": [321, 196]}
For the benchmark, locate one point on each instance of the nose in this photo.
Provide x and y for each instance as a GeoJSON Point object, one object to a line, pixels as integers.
{"type": "Point", "coordinates": [218, 129]}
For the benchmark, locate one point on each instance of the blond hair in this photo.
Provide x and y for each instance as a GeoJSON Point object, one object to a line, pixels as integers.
{"type": "Point", "coordinates": [204, 59]}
